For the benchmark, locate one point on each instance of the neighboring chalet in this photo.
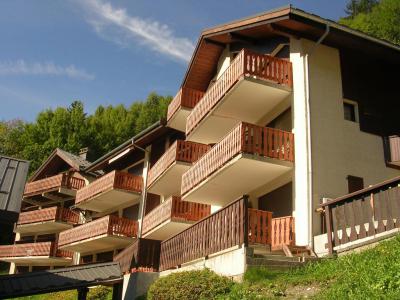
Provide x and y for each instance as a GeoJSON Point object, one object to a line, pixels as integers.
{"type": "Point", "coordinates": [277, 114]}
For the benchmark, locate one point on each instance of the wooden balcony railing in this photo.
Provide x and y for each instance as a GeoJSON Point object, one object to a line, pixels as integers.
{"type": "Point", "coordinates": [34, 249]}
{"type": "Point", "coordinates": [244, 138]}
{"type": "Point", "coordinates": [234, 225]}
{"type": "Point", "coordinates": [175, 209]}
{"type": "Point", "coordinates": [362, 214]}
{"type": "Point", "coordinates": [108, 225]}
{"type": "Point", "coordinates": [58, 181]}
{"type": "Point", "coordinates": [183, 151]}
{"type": "Point", "coordinates": [113, 180]}
{"type": "Point", "coordinates": [246, 63]}
{"type": "Point", "coordinates": [142, 256]}
{"type": "Point", "coordinates": [187, 98]}
{"type": "Point", "coordinates": [283, 232]}
{"type": "Point", "coordinates": [48, 214]}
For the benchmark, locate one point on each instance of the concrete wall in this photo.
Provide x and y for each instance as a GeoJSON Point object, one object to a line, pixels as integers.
{"type": "Point", "coordinates": [230, 263]}
{"type": "Point", "coordinates": [137, 284]}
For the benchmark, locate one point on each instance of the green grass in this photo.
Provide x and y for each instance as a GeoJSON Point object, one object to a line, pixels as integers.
{"type": "Point", "coordinates": [97, 293]}
{"type": "Point", "coordinates": [371, 274]}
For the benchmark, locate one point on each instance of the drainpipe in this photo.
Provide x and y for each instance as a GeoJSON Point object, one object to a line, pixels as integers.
{"type": "Point", "coordinates": [308, 132]}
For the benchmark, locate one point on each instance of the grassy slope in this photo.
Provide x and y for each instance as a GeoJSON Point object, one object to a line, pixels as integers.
{"type": "Point", "coordinates": [371, 274]}
{"type": "Point", "coordinates": [98, 293]}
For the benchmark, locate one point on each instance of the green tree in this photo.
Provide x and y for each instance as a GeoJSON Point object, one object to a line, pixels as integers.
{"type": "Point", "coordinates": [381, 20]}
{"type": "Point", "coordinates": [72, 129]}
{"type": "Point", "coordinates": [355, 7]}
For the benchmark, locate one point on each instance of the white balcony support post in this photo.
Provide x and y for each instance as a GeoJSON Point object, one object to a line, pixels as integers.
{"type": "Point", "coordinates": [142, 203]}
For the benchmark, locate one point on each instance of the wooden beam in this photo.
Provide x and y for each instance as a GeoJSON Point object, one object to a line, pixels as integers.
{"type": "Point", "coordinates": [215, 43]}
{"type": "Point", "coordinates": [242, 38]}
{"type": "Point", "coordinates": [284, 31]}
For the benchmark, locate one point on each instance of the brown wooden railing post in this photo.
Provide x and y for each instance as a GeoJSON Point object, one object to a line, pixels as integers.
{"type": "Point", "coordinates": [246, 220]}
{"type": "Point", "coordinates": [328, 220]}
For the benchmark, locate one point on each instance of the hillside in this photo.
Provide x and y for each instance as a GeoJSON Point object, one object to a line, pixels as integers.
{"type": "Point", "coordinates": [372, 274]}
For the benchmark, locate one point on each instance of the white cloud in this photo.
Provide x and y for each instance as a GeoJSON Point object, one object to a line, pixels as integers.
{"type": "Point", "coordinates": [115, 24]}
{"type": "Point", "coordinates": [20, 67]}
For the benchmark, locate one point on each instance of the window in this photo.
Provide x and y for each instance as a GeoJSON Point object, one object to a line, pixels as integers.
{"type": "Point", "coordinates": [355, 183]}
{"type": "Point", "coordinates": [350, 111]}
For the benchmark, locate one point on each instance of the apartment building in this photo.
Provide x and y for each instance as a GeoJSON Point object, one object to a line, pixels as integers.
{"type": "Point", "coordinates": [45, 212]}
{"type": "Point", "coordinates": [277, 113]}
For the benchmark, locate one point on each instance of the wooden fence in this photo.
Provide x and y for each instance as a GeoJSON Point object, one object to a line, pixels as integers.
{"type": "Point", "coordinates": [246, 63]}
{"type": "Point", "coordinates": [283, 232]}
{"type": "Point", "coordinates": [244, 138]}
{"type": "Point", "coordinates": [234, 225]}
{"type": "Point", "coordinates": [143, 255]}
{"type": "Point", "coordinates": [362, 214]}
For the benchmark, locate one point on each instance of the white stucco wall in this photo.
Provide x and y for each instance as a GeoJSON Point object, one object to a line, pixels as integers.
{"type": "Point", "coordinates": [338, 147]}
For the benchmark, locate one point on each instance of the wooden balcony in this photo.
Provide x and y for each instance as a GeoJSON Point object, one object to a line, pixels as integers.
{"type": "Point", "coordinates": [164, 176]}
{"type": "Point", "coordinates": [110, 191]}
{"type": "Point", "coordinates": [41, 254]}
{"type": "Point", "coordinates": [253, 86]}
{"type": "Point", "coordinates": [107, 233]}
{"type": "Point", "coordinates": [393, 150]}
{"type": "Point", "coordinates": [172, 217]}
{"type": "Point", "coordinates": [234, 225]}
{"type": "Point", "coordinates": [180, 107]}
{"type": "Point", "coordinates": [247, 158]}
{"type": "Point", "coordinates": [47, 220]}
{"type": "Point", "coordinates": [58, 187]}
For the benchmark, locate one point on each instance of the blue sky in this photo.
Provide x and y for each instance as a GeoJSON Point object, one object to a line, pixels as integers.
{"type": "Point", "coordinates": [108, 52]}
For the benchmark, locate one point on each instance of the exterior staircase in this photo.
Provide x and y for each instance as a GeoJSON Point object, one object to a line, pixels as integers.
{"type": "Point", "coordinates": [281, 259]}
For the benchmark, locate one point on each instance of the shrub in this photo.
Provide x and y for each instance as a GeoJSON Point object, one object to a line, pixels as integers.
{"type": "Point", "coordinates": [190, 285]}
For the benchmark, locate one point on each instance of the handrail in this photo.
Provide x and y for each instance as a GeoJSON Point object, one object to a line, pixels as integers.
{"type": "Point", "coordinates": [283, 232]}
{"type": "Point", "coordinates": [244, 138]}
{"type": "Point", "coordinates": [186, 97]}
{"type": "Point", "coordinates": [108, 225]}
{"type": "Point", "coordinates": [112, 180]}
{"type": "Point", "coordinates": [246, 64]}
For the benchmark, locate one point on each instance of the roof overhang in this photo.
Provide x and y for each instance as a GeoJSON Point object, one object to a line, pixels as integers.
{"type": "Point", "coordinates": [286, 21]}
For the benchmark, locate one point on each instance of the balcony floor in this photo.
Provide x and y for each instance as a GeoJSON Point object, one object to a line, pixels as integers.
{"type": "Point", "coordinates": [39, 260]}
{"type": "Point", "coordinates": [238, 177]}
{"type": "Point", "coordinates": [178, 120]}
{"type": "Point", "coordinates": [98, 244]}
{"type": "Point", "coordinates": [43, 227]}
{"type": "Point", "coordinates": [169, 182]}
{"type": "Point", "coordinates": [250, 100]}
{"type": "Point", "coordinates": [167, 229]}
{"type": "Point", "coordinates": [109, 200]}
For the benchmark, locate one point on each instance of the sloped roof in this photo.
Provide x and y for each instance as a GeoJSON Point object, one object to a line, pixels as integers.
{"type": "Point", "coordinates": [76, 162]}
{"type": "Point", "coordinates": [58, 280]}
{"type": "Point", "coordinates": [13, 174]}
{"type": "Point", "coordinates": [286, 21]}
